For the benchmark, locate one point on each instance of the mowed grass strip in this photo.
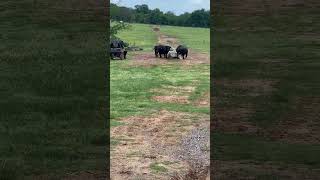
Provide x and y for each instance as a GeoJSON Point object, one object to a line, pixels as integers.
{"type": "Point", "coordinates": [195, 38]}
{"type": "Point", "coordinates": [140, 35]}
{"type": "Point", "coordinates": [131, 86]}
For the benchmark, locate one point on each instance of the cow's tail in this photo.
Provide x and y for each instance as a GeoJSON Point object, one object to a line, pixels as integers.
{"type": "Point", "coordinates": [187, 54]}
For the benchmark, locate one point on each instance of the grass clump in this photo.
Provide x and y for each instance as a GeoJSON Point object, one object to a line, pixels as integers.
{"type": "Point", "coordinates": [158, 168]}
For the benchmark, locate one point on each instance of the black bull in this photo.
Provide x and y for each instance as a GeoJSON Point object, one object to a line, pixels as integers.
{"type": "Point", "coordinates": [182, 50]}
{"type": "Point", "coordinates": [161, 50]}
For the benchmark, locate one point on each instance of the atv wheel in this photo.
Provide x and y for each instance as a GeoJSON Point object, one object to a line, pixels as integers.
{"type": "Point", "coordinates": [121, 56]}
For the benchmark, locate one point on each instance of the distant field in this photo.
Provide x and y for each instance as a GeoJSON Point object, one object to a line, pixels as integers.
{"type": "Point", "coordinates": [143, 36]}
{"type": "Point", "coordinates": [140, 35]}
{"type": "Point", "coordinates": [130, 86]}
{"type": "Point", "coordinates": [195, 38]}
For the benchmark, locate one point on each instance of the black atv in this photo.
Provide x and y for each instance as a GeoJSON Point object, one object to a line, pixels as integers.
{"type": "Point", "coordinates": [117, 49]}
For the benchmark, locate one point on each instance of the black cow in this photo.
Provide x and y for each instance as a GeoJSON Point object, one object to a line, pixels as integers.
{"type": "Point", "coordinates": [156, 52]}
{"type": "Point", "coordinates": [182, 50]}
{"type": "Point", "coordinates": [161, 50]}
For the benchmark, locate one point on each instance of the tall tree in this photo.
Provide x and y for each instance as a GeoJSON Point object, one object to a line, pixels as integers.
{"type": "Point", "coordinates": [142, 14]}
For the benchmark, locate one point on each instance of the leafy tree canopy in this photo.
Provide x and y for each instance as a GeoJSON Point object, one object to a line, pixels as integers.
{"type": "Point", "coordinates": [142, 14]}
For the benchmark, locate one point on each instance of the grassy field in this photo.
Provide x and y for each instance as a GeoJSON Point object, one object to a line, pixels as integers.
{"type": "Point", "coordinates": [130, 86]}
{"type": "Point", "coordinates": [133, 88]}
{"type": "Point", "coordinates": [140, 35]}
{"type": "Point", "coordinates": [265, 78]}
{"type": "Point", "coordinates": [52, 92]}
{"type": "Point", "coordinates": [195, 38]}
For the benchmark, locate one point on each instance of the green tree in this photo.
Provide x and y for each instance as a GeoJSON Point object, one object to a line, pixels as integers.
{"type": "Point", "coordinates": [142, 14]}
{"type": "Point", "coordinates": [117, 26]}
{"type": "Point", "coordinates": [144, 9]}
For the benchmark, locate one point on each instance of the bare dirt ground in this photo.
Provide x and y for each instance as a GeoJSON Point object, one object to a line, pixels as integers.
{"type": "Point", "coordinates": [167, 144]}
{"type": "Point", "coordinates": [155, 140]}
{"type": "Point", "coordinates": [171, 94]}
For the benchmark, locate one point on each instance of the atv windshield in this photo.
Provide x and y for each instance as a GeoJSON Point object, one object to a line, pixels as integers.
{"type": "Point", "coordinates": [117, 44]}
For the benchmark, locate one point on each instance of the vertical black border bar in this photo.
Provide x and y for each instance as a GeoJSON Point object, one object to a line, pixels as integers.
{"type": "Point", "coordinates": [212, 11]}
{"type": "Point", "coordinates": [107, 14]}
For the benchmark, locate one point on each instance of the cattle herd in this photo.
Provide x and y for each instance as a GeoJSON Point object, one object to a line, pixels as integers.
{"type": "Point", "coordinates": [164, 50]}
{"type": "Point", "coordinates": [118, 49]}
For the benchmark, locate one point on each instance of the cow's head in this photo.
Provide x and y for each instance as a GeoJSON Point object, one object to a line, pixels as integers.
{"type": "Point", "coordinates": [167, 48]}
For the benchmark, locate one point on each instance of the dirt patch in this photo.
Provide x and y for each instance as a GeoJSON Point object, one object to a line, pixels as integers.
{"type": "Point", "coordinates": [167, 40]}
{"type": "Point", "coordinates": [148, 59]}
{"type": "Point", "coordinates": [204, 101]}
{"type": "Point", "coordinates": [252, 170]}
{"type": "Point", "coordinates": [302, 125]}
{"type": "Point", "coordinates": [144, 141]}
{"type": "Point", "coordinates": [156, 28]}
{"type": "Point", "coordinates": [179, 95]}
{"type": "Point", "coordinates": [172, 99]}
{"type": "Point", "coordinates": [174, 90]}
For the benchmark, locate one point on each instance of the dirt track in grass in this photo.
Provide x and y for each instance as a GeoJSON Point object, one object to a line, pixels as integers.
{"type": "Point", "coordinates": [162, 145]}
{"type": "Point", "coordinates": [149, 59]}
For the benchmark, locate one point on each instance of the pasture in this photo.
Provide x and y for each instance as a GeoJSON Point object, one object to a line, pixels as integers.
{"type": "Point", "coordinates": [196, 38]}
{"type": "Point", "coordinates": [140, 35]}
{"type": "Point", "coordinates": [141, 93]}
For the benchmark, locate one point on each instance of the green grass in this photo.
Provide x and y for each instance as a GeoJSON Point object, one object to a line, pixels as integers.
{"type": "Point", "coordinates": [158, 168]}
{"type": "Point", "coordinates": [143, 36]}
{"type": "Point", "coordinates": [131, 85]}
{"type": "Point", "coordinates": [139, 35]}
{"type": "Point", "coordinates": [195, 38]}
{"type": "Point", "coordinates": [52, 93]}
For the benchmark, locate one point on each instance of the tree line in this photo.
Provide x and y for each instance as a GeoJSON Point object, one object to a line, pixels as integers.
{"type": "Point", "coordinates": [142, 14]}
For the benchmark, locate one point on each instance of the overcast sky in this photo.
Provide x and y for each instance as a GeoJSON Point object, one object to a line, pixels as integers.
{"type": "Point", "coordinates": [176, 6]}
